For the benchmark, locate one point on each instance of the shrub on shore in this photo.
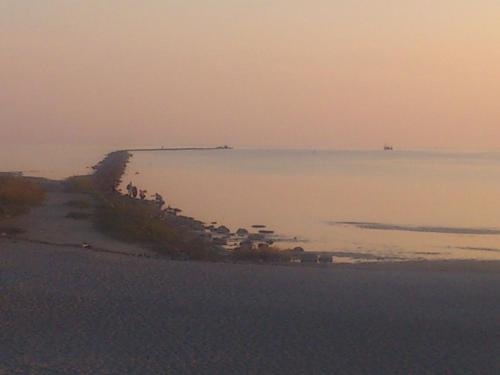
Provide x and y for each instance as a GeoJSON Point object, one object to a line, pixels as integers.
{"type": "Point", "coordinates": [17, 194]}
{"type": "Point", "coordinates": [141, 222]}
{"type": "Point", "coordinates": [132, 220]}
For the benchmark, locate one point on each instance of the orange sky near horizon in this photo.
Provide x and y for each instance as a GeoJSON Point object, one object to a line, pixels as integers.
{"type": "Point", "coordinates": [295, 73]}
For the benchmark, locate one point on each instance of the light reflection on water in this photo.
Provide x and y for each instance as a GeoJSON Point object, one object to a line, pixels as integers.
{"type": "Point", "coordinates": [300, 193]}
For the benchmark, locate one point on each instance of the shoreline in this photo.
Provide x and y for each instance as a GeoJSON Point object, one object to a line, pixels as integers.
{"type": "Point", "coordinates": [107, 176]}
{"type": "Point", "coordinates": [373, 261]}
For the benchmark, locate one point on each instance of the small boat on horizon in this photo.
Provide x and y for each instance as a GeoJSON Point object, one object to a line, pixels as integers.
{"type": "Point", "coordinates": [388, 148]}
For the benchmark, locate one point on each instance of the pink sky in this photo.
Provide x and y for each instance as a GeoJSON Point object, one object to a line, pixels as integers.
{"type": "Point", "coordinates": [294, 73]}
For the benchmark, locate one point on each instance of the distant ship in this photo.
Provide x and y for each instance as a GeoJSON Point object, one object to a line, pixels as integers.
{"type": "Point", "coordinates": [225, 147]}
{"type": "Point", "coordinates": [388, 148]}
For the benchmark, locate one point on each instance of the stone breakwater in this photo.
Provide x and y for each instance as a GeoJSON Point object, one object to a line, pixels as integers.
{"type": "Point", "coordinates": [107, 178]}
{"type": "Point", "coordinates": [218, 238]}
{"type": "Point", "coordinates": [109, 171]}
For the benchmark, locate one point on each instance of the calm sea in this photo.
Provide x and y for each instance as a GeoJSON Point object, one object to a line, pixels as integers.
{"type": "Point", "coordinates": [50, 160]}
{"type": "Point", "coordinates": [362, 205]}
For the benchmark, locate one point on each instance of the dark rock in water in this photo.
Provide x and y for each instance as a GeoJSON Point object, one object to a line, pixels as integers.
{"type": "Point", "coordinates": [223, 230]}
{"type": "Point", "coordinates": [325, 258]}
{"type": "Point", "coordinates": [242, 232]}
{"type": "Point", "coordinates": [266, 231]}
{"type": "Point", "coordinates": [298, 249]}
{"type": "Point", "coordinates": [309, 258]}
{"type": "Point", "coordinates": [263, 246]}
{"type": "Point", "coordinates": [258, 226]}
{"type": "Point", "coordinates": [270, 242]}
{"type": "Point", "coordinates": [213, 222]}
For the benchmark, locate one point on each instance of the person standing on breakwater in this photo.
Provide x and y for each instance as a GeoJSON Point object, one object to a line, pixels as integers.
{"type": "Point", "coordinates": [134, 191]}
{"type": "Point", "coordinates": [142, 194]}
{"type": "Point", "coordinates": [159, 200]}
{"type": "Point", "coordinates": [129, 189]}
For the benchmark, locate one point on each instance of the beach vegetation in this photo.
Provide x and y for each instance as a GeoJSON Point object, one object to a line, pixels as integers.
{"type": "Point", "coordinates": [132, 221]}
{"type": "Point", "coordinates": [141, 222]}
{"type": "Point", "coordinates": [18, 194]}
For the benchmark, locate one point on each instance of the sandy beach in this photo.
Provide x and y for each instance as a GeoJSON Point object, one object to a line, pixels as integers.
{"type": "Point", "coordinates": [70, 310]}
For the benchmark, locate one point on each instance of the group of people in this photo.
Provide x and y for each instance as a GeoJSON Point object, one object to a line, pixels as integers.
{"type": "Point", "coordinates": [133, 192]}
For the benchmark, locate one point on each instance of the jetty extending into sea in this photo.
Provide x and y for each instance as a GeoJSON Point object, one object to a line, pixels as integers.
{"type": "Point", "coordinates": [225, 147]}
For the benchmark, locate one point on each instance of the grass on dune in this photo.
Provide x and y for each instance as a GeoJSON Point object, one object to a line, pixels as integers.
{"type": "Point", "coordinates": [18, 194]}
{"type": "Point", "coordinates": [132, 221]}
{"type": "Point", "coordinates": [141, 222]}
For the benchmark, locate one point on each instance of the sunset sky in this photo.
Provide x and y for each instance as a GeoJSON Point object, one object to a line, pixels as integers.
{"type": "Point", "coordinates": [261, 73]}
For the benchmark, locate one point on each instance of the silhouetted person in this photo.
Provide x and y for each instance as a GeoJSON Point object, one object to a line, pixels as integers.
{"type": "Point", "coordinates": [134, 191]}
{"type": "Point", "coordinates": [159, 200]}
{"type": "Point", "coordinates": [129, 189]}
